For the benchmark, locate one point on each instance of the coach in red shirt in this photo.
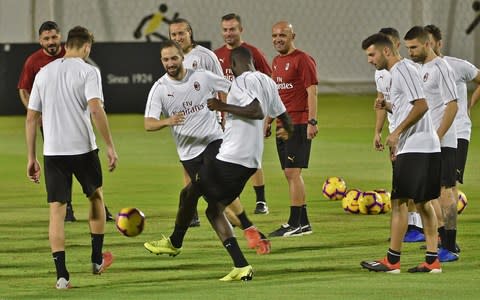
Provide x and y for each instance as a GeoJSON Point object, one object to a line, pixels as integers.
{"type": "Point", "coordinates": [295, 73]}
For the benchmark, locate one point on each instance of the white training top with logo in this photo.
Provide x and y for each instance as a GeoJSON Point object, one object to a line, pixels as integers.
{"type": "Point", "coordinates": [382, 81]}
{"type": "Point", "coordinates": [464, 73]}
{"type": "Point", "coordinates": [189, 95]}
{"type": "Point", "coordinates": [243, 140]}
{"type": "Point", "coordinates": [439, 87]}
{"type": "Point", "coordinates": [202, 58]}
{"type": "Point", "coordinates": [407, 87]}
{"type": "Point", "coordinates": [61, 92]}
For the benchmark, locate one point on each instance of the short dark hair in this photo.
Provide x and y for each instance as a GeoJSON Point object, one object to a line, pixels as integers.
{"type": "Point", "coordinates": [47, 26]}
{"type": "Point", "coordinates": [377, 39]}
{"type": "Point", "coordinates": [170, 43]}
{"type": "Point", "coordinates": [232, 16]}
{"type": "Point", "coordinates": [183, 21]}
{"type": "Point", "coordinates": [79, 36]}
{"type": "Point", "coordinates": [434, 31]}
{"type": "Point", "coordinates": [417, 32]}
{"type": "Point", "coordinates": [241, 53]}
{"type": "Point", "coordinates": [390, 31]}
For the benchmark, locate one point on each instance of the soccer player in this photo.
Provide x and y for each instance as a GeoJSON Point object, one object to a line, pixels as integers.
{"type": "Point", "coordinates": [382, 81]}
{"type": "Point", "coordinates": [68, 94]}
{"type": "Point", "coordinates": [181, 96]}
{"type": "Point", "coordinates": [441, 94]}
{"type": "Point", "coordinates": [464, 72]}
{"type": "Point", "coordinates": [232, 30]}
{"type": "Point", "coordinates": [295, 73]}
{"type": "Point", "coordinates": [417, 157]}
{"type": "Point", "coordinates": [51, 49]}
{"type": "Point", "coordinates": [252, 96]}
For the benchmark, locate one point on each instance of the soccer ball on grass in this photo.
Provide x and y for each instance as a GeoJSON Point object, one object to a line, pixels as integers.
{"type": "Point", "coordinates": [334, 188]}
{"type": "Point", "coordinates": [130, 221]}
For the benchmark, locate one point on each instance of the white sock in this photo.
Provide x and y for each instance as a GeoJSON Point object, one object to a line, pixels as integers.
{"type": "Point", "coordinates": [418, 221]}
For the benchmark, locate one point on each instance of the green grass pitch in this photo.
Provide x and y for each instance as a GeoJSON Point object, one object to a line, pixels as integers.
{"type": "Point", "coordinates": [324, 265]}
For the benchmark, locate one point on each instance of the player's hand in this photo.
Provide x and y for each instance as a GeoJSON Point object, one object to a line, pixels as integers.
{"type": "Point", "coordinates": [377, 142]}
{"type": "Point", "coordinates": [393, 153]}
{"type": "Point", "coordinates": [312, 131]}
{"type": "Point", "coordinates": [176, 119]}
{"type": "Point", "coordinates": [33, 171]}
{"type": "Point", "coordinates": [380, 103]}
{"type": "Point", "coordinates": [392, 140]}
{"type": "Point", "coordinates": [112, 159]}
{"type": "Point", "coordinates": [214, 104]}
{"type": "Point", "coordinates": [267, 130]}
{"type": "Point", "coordinates": [282, 134]}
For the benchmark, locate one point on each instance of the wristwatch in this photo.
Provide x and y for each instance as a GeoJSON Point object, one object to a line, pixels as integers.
{"type": "Point", "coordinates": [312, 122]}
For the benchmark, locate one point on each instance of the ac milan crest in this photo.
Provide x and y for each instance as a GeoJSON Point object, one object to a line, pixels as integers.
{"type": "Point", "coordinates": [425, 77]}
{"type": "Point", "coordinates": [196, 86]}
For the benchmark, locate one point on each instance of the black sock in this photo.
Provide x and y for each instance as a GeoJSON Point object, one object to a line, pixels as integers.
{"type": "Point", "coordinates": [59, 260]}
{"type": "Point", "coordinates": [443, 236]}
{"type": "Point", "coordinates": [178, 235]}
{"type": "Point", "coordinates": [430, 257]}
{"type": "Point", "coordinates": [393, 256]}
{"type": "Point", "coordinates": [295, 213]}
{"type": "Point", "coordinates": [69, 205]}
{"type": "Point", "coordinates": [304, 217]}
{"type": "Point", "coordinates": [97, 245]}
{"type": "Point", "coordinates": [451, 238]}
{"type": "Point", "coordinates": [260, 192]}
{"type": "Point", "coordinates": [236, 254]}
{"type": "Point", "coordinates": [244, 220]}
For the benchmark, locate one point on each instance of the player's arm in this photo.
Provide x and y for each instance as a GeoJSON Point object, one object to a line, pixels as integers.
{"type": "Point", "coordinates": [312, 92]}
{"type": "Point", "coordinates": [420, 107]}
{"type": "Point", "coordinates": [448, 118]}
{"type": "Point", "coordinates": [476, 93]}
{"type": "Point", "coordinates": [99, 118]}
{"type": "Point", "coordinates": [24, 96]}
{"type": "Point", "coordinates": [33, 167]}
{"type": "Point", "coordinates": [287, 127]}
{"type": "Point", "coordinates": [380, 116]}
{"type": "Point", "coordinates": [251, 111]}
{"type": "Point", "coordinates": [152, 124]}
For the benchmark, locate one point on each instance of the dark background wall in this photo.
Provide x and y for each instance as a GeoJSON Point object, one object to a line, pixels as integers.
{"type": "Point", "coordinates": [128, 71]}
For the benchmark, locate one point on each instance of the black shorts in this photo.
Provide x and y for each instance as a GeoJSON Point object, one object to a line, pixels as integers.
{"type": "Point", "coordinates": [462, 151]}
{"type": "Point", "coordinates": [223, 181]}
{"type": "Point", "coordinates": [295, 152]}
{"type": "Point", "coordinates": [60, 168]}
{"type": "Point", "coordinates": [449, 167]}
{"type": "Point", "coordinates": [192, 166]}
{"type": "Point", "coordinates": [417, 176]}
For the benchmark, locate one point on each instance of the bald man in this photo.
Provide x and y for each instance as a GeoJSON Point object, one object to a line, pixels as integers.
{"type": "Point", "coordinates": [295, 73]}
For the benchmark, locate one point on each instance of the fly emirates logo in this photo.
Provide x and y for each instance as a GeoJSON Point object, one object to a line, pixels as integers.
{"type": "Point", "coordinates": [189, 108]}
{"type": "Point", "coordinates": [283, 85]}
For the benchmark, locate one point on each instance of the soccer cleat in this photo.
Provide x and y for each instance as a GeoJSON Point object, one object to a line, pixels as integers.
{"type": "Point", "coordinates": [63, 284]}
{"type": "Point", "coordinates": [413, 236]}
{"type": "Point", "coordinates": [435, 267]}
{"type": "Point", "coordinates": [263, 247]}
{"type": "Point", "coordinates": [108, 215]}
{"type": "Point", "coordinates": [261, 208]}
{"type": "Point", "coordinates": [286, 230]}
{"type": "Point", "coordinates": [106, 262]}
{"type": "Point", "coordinates": [444, 255]}
{"type": "Point", "coordinates": [163, 246]}
{"type": "Point", "coordinates": [243, 274]}
{"type": "Point", "coordinates": [307, 229]}
{"type": "Point", "coordinates": [70, 216]}
{"type": "Point", "coordinates": [252, 236]}
{"type": "Point", "coordinates": [381, 266]}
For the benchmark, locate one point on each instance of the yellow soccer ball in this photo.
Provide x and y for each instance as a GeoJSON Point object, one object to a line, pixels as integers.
{"type": "Point", "coordinates": [350, 201]}
{"type": "Point", "coordinates": [462, 202]}
{"type": "Point", "coordinates": [386, 199]}
{"type": "Point", "coordinates": [334, 188]}
{"type": "Point", "coordinates": [370, 203]}
{"type": "Point", "coordinates": [130, 221]}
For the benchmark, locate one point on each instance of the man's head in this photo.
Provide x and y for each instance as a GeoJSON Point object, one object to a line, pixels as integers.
{"type": "Point", "coordinates": [241, 60]}
{"type": "Point", "coordinates": [379, 49]}
{"type": "Point", "coordinates": [171, 55]}
{"type": "Point", "coordinates": [435, 35]}
{"type": "Point", "coordinates": [282, 37]}
{"type": "Point", "coordinates": [417, 42]}
{"type": "Point", "coordinates": [393, 34]}
{"type": "Point", "coordinates": [181, 32]}
{"type": "Point", "coordinates": [49, 38]}
{"type": "Point", "coordinates": [232, 30]}
{"type": "Point", "coordinates": [80, 39]}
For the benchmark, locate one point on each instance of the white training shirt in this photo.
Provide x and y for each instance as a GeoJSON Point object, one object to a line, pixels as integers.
{"type": "Point", "coordinates": [61, 92]}
{"type": "Point", "coordinates": [202, 58]}
{"type": "Point", "coordinates": [407, 87]}
{"type": "Point", "coordinates": [189, 95]}
{"type": "Point", "coordinates": [439, 87]}
{"type": "Point", "coordinates": [243, 140]}
{"type": "Point", "coordinates": [464, 73]}
{"type": "Point", "coordinates": [382, 81]}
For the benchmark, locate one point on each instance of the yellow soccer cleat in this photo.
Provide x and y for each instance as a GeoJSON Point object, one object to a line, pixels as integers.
{"type": "Point", "coordinates": [163, 246]}
{"type": "Point", "coordinates": [243, 274]}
